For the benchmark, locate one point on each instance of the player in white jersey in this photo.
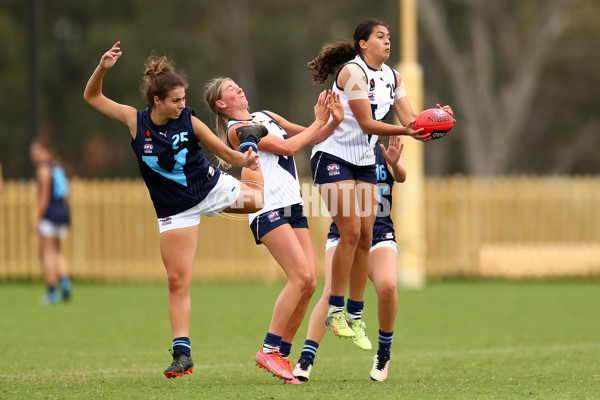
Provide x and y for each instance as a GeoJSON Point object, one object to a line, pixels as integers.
{"type": "Point", "coordinates": [344, 164]}
{"type": "Point", "coordinates": [383, 271]}
{"type": "Point", "coordinates": [282, 190]}
{"type": "Point", "coordinates": [348, 141]}
{"type": "Point", "coordinates": [280, 225]}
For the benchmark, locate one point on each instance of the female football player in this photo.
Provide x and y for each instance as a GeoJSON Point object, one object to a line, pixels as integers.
{"type": "Point", "coordinates": [343, 165]}
{"type": "Point", "coordinates": [183, 184]}
{"type": "Point", "coordinates": [281, 225]}
{"type": "Point", "coordinates": [383, 270]}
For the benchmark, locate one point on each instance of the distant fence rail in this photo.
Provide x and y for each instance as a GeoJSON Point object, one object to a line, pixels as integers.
{"type": "Point", "coordinates": [517, 227]}
{"type": "Point", "coordinates": [514, 216]}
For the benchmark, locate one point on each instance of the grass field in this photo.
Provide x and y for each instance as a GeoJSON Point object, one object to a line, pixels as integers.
{"type": "Point", "coordinates": [453, 340]}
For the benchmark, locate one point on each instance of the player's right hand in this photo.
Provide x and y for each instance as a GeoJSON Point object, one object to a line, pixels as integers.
{"type": "Point", "coordinates": [110, 57]}
{"type": "Point", "coordinates": [321, 108]}
{"type": "Point", "coordinates": [417, 134]}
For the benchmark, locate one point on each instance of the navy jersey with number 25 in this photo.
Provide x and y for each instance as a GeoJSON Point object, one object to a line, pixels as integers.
{"type": "Point", "coordinates": [177, 174]}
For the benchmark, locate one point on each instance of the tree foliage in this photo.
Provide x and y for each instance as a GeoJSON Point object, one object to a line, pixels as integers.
{"type": "Point", "coordinates": [265, 46]}
{"type": "Point", "coordinates": [498, 64]}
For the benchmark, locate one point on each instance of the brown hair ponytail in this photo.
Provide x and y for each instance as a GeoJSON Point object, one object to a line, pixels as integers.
{"type": "Point", "coordinates": [159, 79]}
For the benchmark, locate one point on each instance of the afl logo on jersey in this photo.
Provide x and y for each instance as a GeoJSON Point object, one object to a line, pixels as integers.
{"type": "Point", "coordinates": [148, 148]}
{"type": "Point", "coordinates": [273, 216]}
{"type": "Point", "coordinates": [166, 221]}
{"type": "Point", "coordinates": [371, 89]}
{"type": "Point", "coordinates": [333, 169]}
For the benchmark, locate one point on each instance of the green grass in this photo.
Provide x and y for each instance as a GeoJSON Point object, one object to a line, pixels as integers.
{"type": "Point", "coordinates": [453, 340]}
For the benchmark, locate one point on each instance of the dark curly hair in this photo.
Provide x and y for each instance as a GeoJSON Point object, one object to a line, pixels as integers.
{"type": "Point", "coordinates": [337, 53]}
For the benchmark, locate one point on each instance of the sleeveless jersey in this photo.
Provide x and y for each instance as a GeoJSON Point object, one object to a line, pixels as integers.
{"type": "Point", "coordinates": [383, 229]}
{"type": "Point", "coordinates": [281, 184]}
{"type": "Point", "coordinates": [348, 141]}
{"type": "Point", "coordinates": [58, 210]}
{"type": "Point", "coordinates": [177, 174]}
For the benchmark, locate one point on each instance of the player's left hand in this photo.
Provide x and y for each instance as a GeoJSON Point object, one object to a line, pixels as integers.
{"type": "Point", "coordinates": [417, 134]}
{"type": "Point", "coordinates": [251, 160]}
{"type": "Point", "coordinates": [394, 150]}
{"type": "Point", "coordinates": [447, 109]}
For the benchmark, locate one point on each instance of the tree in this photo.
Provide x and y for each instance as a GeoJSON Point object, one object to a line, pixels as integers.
{"type": "Point", "coordinates": [493, 65]}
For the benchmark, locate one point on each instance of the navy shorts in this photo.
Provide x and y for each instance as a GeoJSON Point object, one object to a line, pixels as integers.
{"type": "Point", "coordinates": [327, 168]}
{"type": "Point", "coordinates": [266, 222]}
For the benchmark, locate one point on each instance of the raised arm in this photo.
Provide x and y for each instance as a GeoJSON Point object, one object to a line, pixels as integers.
{"type": "Point", "coordinates": [298, 136]}
{"type": "Point", "coordinates": [93, 92]}
{"type": "Point", "coordinates": [402, 107]}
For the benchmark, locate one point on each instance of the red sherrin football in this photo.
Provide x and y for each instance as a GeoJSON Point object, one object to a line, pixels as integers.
{"type": "Point", "coordinates": [435, 121]}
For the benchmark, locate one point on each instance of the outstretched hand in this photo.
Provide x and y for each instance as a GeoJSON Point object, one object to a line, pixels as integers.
{"type": "Point", "coordinates": [321, 108]}
{"type": "Point", "coordinates": [110, 58]}
{"type": "Point", "coordinates": [336, 107]}
{"type": "Point", "coordinates": [394, 150]}
{"type": "Point", "coordinates": [251, 160]}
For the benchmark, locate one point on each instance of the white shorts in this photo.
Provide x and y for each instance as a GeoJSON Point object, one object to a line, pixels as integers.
{"type": "Point", "coordinates": [48, 228]}
{"type": "Point", "coordinates": [224, 194]}
{"type": "Point", "coordinates": [384, 243]}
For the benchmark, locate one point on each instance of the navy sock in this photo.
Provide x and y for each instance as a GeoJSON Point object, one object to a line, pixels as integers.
{"type": "Point", "coordinates": [310, 350]}
{"type": "Point", "coordinates": [247, 143]}
{"type": "Point", "coordinates": [355, 308]}
{"type": "Point", "coordinates": [285, 349]}
{"type": "Point", "coordinates": [272, 343]}
{"type": "Point", "coordinates": [336, 303]}
{"type": "Point", "coordinates": [385, 343]}
{"type": "Point", "coordinates": [65, 285]}
{"type": "Point", "coordinates": [182, 345]}
{"type": "Point", "coordinates": [52, 294]}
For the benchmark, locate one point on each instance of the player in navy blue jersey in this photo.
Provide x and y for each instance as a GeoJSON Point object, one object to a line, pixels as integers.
{"type": "Point", "coordinates": [343, 165]}
{"type": "Point", "coordinates": [382, 269]}
{"type": "Point", "coordinates": [183, 184]}
{"type": "Point", "coordinates": [52, 220]}
{"type": "Point", "coordinates": [281, 225]}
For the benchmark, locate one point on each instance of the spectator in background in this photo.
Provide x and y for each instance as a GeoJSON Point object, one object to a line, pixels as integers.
{"type": "Point", "coordinates": [52, 220]}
